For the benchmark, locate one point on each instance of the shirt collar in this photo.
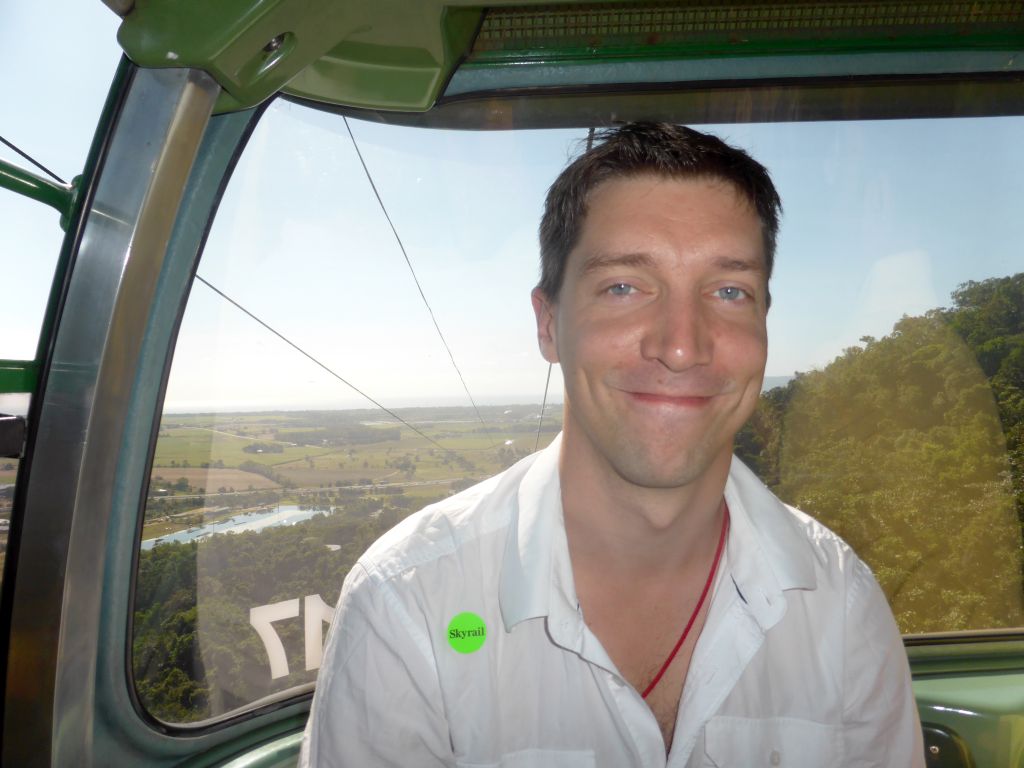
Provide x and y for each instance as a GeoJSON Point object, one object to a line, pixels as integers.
{"type": "Point", "coordinates": [536, 562]}
{"type": "Point", "coordinates": [767, 552]}
{"type": "Point", "coordinates": [767, 529]}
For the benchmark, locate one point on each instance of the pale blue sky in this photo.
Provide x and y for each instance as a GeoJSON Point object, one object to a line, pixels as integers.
{"type": "Point", "coordinates": [881, 219]}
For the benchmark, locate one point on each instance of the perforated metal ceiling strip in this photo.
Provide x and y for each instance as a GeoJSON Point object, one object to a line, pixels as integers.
{"type": "Point", "coordinates": [597, 26]}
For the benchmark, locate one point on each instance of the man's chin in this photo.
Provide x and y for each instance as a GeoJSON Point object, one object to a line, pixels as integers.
{"type": "Point", "coordinates": [659, 472]}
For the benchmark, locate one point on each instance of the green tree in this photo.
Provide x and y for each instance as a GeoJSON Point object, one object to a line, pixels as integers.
{"type": "Point", "coordinates": [898, 447]}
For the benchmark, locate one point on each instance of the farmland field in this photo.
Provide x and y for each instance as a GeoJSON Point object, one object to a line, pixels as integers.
{"type": "Point", "coordinates": [199, 477]}
{"type": "Point", "coordinates": [207, 464]}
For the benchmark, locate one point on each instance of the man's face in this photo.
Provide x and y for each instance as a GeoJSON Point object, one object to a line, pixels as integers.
{"type": "Point", "coordinates": [659, 328]}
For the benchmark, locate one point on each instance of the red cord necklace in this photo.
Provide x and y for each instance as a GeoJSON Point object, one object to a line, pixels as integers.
{"type": "Point", "coordinates": [700, 603]}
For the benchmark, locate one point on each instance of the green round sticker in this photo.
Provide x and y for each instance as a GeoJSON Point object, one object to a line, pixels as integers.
{"type": "Point", "coordinates": [466, 632]}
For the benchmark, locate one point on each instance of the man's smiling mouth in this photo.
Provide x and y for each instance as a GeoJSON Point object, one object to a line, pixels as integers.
{"type": "Point", "coordinates": [684, 401]}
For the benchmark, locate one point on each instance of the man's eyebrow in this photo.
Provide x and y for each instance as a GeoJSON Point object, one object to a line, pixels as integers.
{"type": "Point", "coordinates": [733, 264]}
{"type": "Point", "coordinates": [600, 261]}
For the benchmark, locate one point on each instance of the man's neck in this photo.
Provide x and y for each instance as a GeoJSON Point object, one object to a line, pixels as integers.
{"type": "Point", "coordinates": [640, 557]}
{"type": "Point", "coordinates": [614, 524]}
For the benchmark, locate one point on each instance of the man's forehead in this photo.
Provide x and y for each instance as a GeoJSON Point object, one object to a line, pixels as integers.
{"type": "Point", "coordinates": [621, 194]}
{"type": "Point", "coordinates": [628, 221]}
{"type": "Point", "coordinates": [686, 179]}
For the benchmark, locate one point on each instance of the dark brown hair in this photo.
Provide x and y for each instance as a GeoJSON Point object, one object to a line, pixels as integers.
{"type": "Point", "coordinates": [636, 149]}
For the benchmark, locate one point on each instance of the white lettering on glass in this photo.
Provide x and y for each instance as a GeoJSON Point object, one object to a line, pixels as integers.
{"type": "Point", "coordinates": [262, 617]}
{"type": "Point", "coordinates": [317, 613]}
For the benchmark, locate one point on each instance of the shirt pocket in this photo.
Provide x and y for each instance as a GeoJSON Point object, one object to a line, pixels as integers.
{"type": "Point", "coordinates": [538, 758]}
{"type": "Point", "coordinates": [743, 742]}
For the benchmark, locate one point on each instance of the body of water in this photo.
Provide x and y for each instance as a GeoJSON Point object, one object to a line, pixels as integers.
{"type": "Point", "coordinates": [285, 514]}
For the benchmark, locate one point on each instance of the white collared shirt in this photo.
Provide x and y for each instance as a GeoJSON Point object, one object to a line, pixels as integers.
{"type": "Point", "coordinates": [799, 663]}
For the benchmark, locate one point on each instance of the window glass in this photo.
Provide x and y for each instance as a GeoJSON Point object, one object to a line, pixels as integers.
{"type": "Point", "coordinates": [77, 60]}
{"type": "Point", "coordinates": [345, 360]}
{"type": "Point", "coordinates": [309, 432]}
{"type": "Point", "coordinates": [8, 472]}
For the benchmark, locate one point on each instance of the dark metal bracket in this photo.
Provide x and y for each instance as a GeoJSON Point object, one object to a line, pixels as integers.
{"type": "Point", "coordinates": [944, 748]}
{"type": "Point", "coordinates": [12, 436]}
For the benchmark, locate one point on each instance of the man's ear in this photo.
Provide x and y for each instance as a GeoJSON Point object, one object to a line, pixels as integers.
{"type": "Point", "coordinates": [544, 309]}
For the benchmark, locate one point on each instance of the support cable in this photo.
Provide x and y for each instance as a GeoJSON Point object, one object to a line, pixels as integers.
{"type": "Point", "coordinates": [28, 157]}
{"type": "Point", "coordinates": [419, 287]}
{"type": "Point", "coordinates": [306, 354]}
{"type": "Point", "coordinates": [544, 403]}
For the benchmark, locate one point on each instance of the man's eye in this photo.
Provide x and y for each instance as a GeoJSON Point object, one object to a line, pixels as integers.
{"type": "Point", "coordinates": [731, 293]}
{"type": "Point", "coordinates": [620, 289]}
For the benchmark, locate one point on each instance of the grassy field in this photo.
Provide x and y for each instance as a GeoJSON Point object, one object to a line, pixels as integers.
{"type": "Point", "coordinates": [207, 462]}
{"type": "Point", "coordinates": [221, 441]}
{"type": "Point", "coordinates": [212, 479]}
{"type": "Point", "coordinates": [194, 446]}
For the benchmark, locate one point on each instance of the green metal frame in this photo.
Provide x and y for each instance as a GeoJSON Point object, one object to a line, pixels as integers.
{"type": "Point", "coordinates": [22, 376]}
{"type": "Point", "coordinates": [34, 187]}
{"type": "Point", "coordinates": [399, 55]}
{"type": "Point", "coordinates": [352, 51]}
{"type": "Point", "coordinates": [18, 376]}
{"type": "Point", "coordinates": [973, 685]}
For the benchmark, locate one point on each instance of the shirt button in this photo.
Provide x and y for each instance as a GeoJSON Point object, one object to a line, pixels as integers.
{"type": "Point", "coordinates": [775, 758]}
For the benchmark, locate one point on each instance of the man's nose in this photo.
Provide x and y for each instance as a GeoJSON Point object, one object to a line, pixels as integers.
{"type": "Point", "coordinates": [678, 335]}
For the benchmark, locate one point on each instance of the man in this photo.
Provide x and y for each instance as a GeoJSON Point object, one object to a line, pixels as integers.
{"type": "Point", "coordinates": [632, 595]}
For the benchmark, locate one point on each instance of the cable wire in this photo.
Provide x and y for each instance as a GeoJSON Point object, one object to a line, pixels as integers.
{"type": "Point", "coordinates": [543, 405]}
{"type": "Point", "coordinates": [28, 157]}
{"type": "Point", "coordinates": [416, 280]}
{"type": "Point", "coordinates": [306, 354]}
{"type": "Point", "coordinates": [544, 402]}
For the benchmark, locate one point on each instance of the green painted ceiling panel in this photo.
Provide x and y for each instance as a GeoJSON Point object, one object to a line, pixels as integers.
{"type": "Point", "coordinates": [387, 53]}
{"type": "Point", "coordinates": [400, 54]}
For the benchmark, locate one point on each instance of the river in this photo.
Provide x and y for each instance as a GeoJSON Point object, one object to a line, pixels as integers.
{"type": "Point", "coordinates": [285, 514]}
